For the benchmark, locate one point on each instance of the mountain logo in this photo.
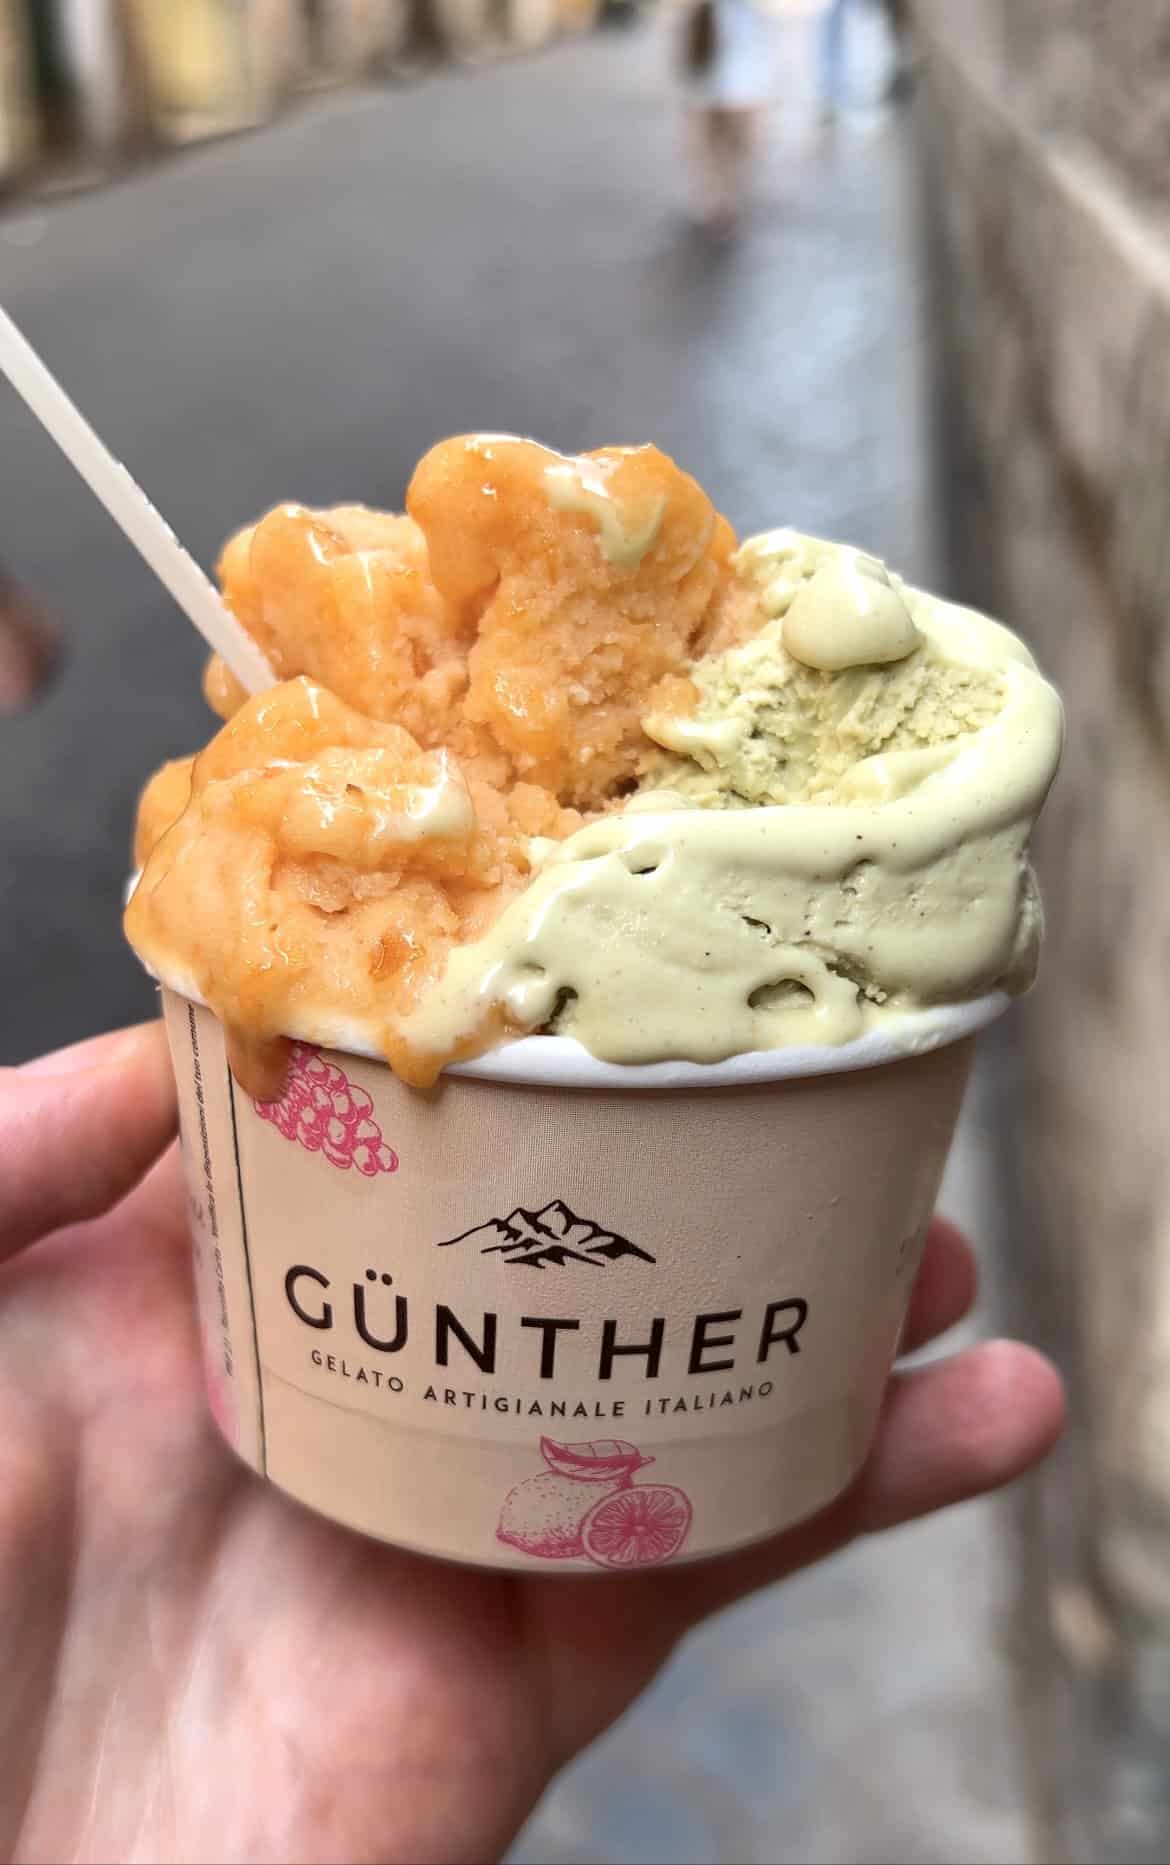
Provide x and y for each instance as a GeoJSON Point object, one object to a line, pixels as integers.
{"type": "Point", "coordinates": [550, 1238]}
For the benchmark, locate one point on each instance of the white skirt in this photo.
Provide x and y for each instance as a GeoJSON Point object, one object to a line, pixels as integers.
{"type": "Point", "coordinates": [741, 74]}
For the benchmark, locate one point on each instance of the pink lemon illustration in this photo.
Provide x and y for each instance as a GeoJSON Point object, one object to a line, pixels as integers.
{"type": "Point", "coordinates": [601, 1460]}
{"type": "Point", "coordinates": [542, 1516]}
{"type": "Point", "coordinates": [637, 1527]}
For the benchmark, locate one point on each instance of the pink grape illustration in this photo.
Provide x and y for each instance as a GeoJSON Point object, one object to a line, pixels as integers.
{"type": "Point", "coordinates": [325, 1112]}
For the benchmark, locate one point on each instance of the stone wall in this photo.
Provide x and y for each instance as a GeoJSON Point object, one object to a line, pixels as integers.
{"type": "Point", "coordinates": [1059, 297]}
{"type": "Point", "coordinates": [1046, 148]}
{"type": "Point", "coordinates": [1094, 70]}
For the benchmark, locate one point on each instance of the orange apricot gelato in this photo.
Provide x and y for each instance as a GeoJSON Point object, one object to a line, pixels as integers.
{"type": "Point", "coordinates": [455, 682]}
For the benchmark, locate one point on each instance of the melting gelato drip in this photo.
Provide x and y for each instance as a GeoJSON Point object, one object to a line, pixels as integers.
{"type": "Point", "coordinates": [551, 754]}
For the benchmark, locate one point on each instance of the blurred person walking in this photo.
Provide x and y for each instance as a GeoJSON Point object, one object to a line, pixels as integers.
{"type": "Point", "coordinates": [897, 14]}
{"type": "Point", "coordinates": [834, 59]}
{"type": "Point", "coordinates": [727, 60]}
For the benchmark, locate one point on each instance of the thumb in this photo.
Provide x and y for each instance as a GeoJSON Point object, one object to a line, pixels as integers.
{"type": "Point", "coordinates": [78, 1129]}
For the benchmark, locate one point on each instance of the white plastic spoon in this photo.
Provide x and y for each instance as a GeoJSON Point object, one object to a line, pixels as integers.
{"type": "Point", "coordinates": [130, 508]}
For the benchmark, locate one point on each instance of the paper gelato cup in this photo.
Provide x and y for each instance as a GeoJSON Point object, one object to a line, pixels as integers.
{"type": "Point", "coordinates": [564, 1316]}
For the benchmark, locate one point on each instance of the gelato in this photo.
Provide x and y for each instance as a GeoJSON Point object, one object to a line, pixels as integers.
{"type": "Point", "coordinates": [551, 753]}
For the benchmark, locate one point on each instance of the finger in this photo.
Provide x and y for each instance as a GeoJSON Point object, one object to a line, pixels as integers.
{"type": "Point", "coordinates": [87, 1053]}
{"type": "Point", "coordinates": [78, 1130]}
{"type": "Point", "coordinates": [945, 1286]}
{"type": "Point", "coordinates": [950, 1431]}
{"type": "Point", "coordinates": [957, 1429]}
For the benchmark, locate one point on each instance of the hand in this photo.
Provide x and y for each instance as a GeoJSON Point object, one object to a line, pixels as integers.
{"type": "Point", "coordinates": [195, 1667]}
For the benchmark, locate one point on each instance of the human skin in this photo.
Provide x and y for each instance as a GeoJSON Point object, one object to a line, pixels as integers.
{"type": "Point", "coordinates": [196, 1667]}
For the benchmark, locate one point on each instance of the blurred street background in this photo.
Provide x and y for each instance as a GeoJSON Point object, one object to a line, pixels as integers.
{"type": "Point", "coordinates": [939, 328]}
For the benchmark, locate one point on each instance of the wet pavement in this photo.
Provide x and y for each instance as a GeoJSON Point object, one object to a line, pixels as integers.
{"type": "Point", "coordinates": [300, 314]}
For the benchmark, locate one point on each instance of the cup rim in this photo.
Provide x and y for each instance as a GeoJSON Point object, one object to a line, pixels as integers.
{"type": "Point", "coordinates": [562, 1062]}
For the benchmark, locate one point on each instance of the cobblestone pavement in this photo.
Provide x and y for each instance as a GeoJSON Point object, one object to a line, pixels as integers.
{"type": "Point", "coordinates": [301, 313]}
